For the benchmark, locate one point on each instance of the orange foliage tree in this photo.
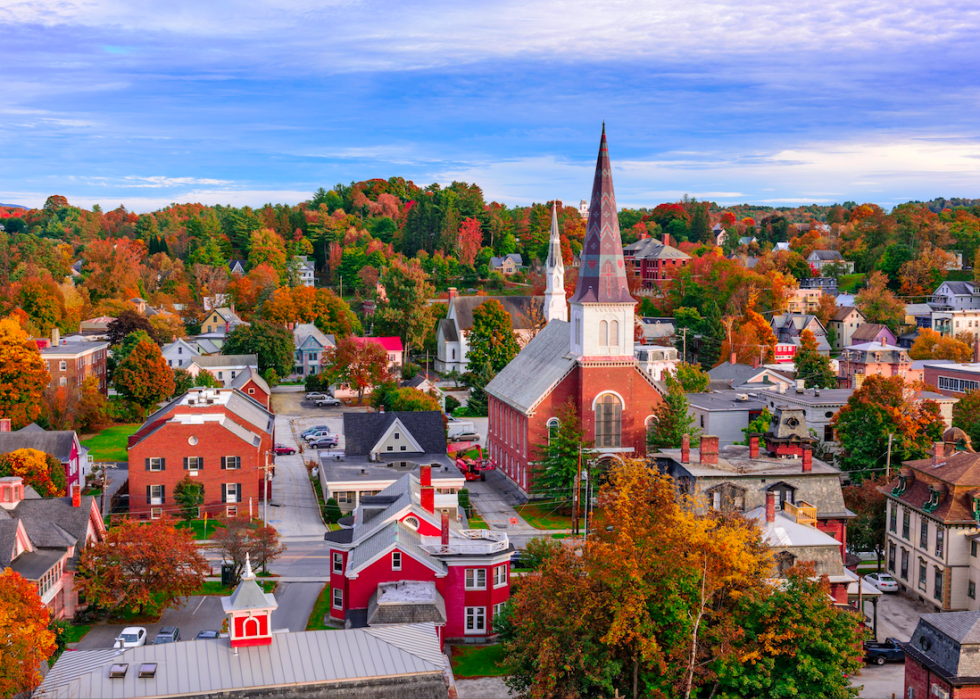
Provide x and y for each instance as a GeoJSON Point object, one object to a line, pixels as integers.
{"type": "Point", "coordinates": [23, 375]}
{"type": "Point", "coordinates": [42, 472]}
{"type": "Point", "coordinates": [27, 640]}
{"type": "Point", "coordinates": [932, 345]}
{"type": "Point", "coordinates": [749, 336]}
{"type": "Point", "coordinates": [143, 377]}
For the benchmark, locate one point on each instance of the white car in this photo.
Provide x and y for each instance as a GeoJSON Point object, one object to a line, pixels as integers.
{"type": "Point", "coordinates": [315, 395]}
{"type": "Point", "coordinates": [327, 400]}
{"type": "Point", "coordinates": [882, 581]}
{"type": "Point", "coordinates": [131, 637]}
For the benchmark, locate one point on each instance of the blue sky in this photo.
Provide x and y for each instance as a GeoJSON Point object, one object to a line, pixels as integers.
{"type": "Point", "coordinates": [777, 102]}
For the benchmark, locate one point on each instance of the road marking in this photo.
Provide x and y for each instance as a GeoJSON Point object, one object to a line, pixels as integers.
{"type": "Point", "coordinates": [284, 558]}
{"type": "Point", "coordinates": [198, 606]}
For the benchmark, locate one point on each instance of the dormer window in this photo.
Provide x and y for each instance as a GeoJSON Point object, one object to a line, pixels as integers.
{"type": "Point", "coordinates": [933, 502]}
{"type": "Point", "coordinates": [903, 484]}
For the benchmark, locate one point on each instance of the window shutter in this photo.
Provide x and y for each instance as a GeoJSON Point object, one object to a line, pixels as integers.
{"type": "Point", "coordinates": [146, 462]}
{"type": "Point", "coordinates": [224, 488]}
{"type": "Point", "coordinates": [200, 463]}
{"type": "Point", "coordinates": [163, 495]}
{"type": "Point", "coordinates": [163, 464]}
{"type": "Point", "coordinates": [185, 463]}
{"type": "Point", "coordinates": [224, 465]}
{"type": "Point", "coordinates": [148, 496]}
{"type": "Point", "coordinates": [238, 492]}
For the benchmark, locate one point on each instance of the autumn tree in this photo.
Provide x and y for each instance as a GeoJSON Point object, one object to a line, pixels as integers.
{"type": "Point", "coordinates": [142, 566]}
{"type": "Point", "coordinates": [125, 324]}
{"type": "Point", "coordinates": [883, 406]}
{"type": "Point", "coordinates": [692, 378]}
{"type": "Point", "coordinates": [355, 361]}
{"type": "Point", "coordinates": [23, 375]}
{"type": "Point", "coordinates": [166, 327]}
{"type": "Point", "coordinates": [189, 495]}
{"type": "Point", "coordinates": [45, 475]}
{"type": "Point", "coordinates": [879, 305]}
{"type": "Point", "coordinates": [27, 640]}
{"type": "Point", "coordinates": [405, 310]}
{"type": "Point", "coordinates": [491, 338]}
{"type": "Point", "coordinates": [931, 345]}
{"type": "Point", "coordinates": [671, 419]}
{"type": "Point", "coordinates": [866, 532]}
{"type": "Point", "coordinates": [92, 411]}
{"type": "Point", "coordinates": [966, 416]}
{"type": "Point", "coordinates": [389, 397]}
{"type": "Point", "coordinates": [240, 537]}
{"type": "Point", "coordinates": [113, 267]}
{"type": "Point", "coordinates": [749, 336]}
{"type": "Point", "coordinates": [143, 377]}
{"type": "Point", "coordinates": [811, 366]}
{"type": "Point", "coordinates": [270, 342]}
{"type": "Point", "coordinates": [470, 241]}
{"type": "Point", "coordinates": [267, 247]}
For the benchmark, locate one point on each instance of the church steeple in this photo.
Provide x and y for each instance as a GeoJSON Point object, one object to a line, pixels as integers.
{"type": "Point", "coordinates": [554, 295]}
{"type": "Point", "coordinates": [602, 307]}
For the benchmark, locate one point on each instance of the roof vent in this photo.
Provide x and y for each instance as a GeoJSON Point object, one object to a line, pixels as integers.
{"type": "Point", "coordinates": [148, 671]}
{"type": "Point", "coordinates": [118, 671]}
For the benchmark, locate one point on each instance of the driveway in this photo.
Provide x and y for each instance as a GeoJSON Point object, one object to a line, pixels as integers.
{"type": "Point", "coordinates": [882, 682]}
{"type": "Point", "coordinates": [296, 602]}
{"type": "Point", "coordinates": [196, 615]}
{"type": "Point", "coordinates": [293, 508]}
{"type": "Point", "coordinates": [898, 615]}
{"type": "Point", "coordinates": [494, 499]}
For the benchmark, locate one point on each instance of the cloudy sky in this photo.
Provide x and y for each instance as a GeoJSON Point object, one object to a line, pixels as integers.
{"type": "Point", "coordinates": [780, 102]}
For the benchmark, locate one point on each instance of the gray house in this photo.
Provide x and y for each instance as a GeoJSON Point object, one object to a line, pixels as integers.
{"type": "Point", "coordinates": [724, 414]}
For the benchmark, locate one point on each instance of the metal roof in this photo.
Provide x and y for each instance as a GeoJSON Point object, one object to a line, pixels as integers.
{"type": "Point", "coordinates": [208, 666]}
{"type": "Point", "coordinates": [230, 360]}
{"type": "Point", "coordinates": [536, 370]}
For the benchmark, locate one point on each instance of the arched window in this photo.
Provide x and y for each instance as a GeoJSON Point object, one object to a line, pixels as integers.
{"type": "Point", "coordinates": [411, 523]}
{"type": "Point", "coordinates": [251, 627]}
{"type": "Point", "coordinates": [553, 426]}
{"type": "Point", "coordinates": [608, 421]}
{"type": "Point", "coordinates": [603, 333]}
{"type": "Point", "coordinates": [614, 333]}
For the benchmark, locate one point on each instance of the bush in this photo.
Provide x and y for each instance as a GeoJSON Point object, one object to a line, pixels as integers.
{"type": "Point", "coordinates": [271, 377]}
{"type": "Point", "coordinates": [314, 382]}
{"type": "Point", "coordinates": [410, 370]}
{"type": "Point", "coordinates": [538, 551]}
{"type": "Point", "coordinates": [451, 404]}
{"type": "Point", "coordinates": [332, 511]}
{"type": "Point", "coordinates": [464, 500]}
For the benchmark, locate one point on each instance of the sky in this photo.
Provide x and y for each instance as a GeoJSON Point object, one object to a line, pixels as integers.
{"type": "Point", "coordinates": [778, 102]}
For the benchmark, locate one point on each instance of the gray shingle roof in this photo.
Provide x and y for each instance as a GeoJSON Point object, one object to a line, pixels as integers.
{"type": "Point", "coordinates": [363, 430]}
{"type": "Point", "coordinates": [653, 249]}
{"type": "Point", "coordinates": [54, 522]}
{"type": "Point", "coordinates": [223, 360]}
{"type": "Point", "coordinates": [961, 288]}
{"type": "Point", "coordinates": [962, 627]}
{"type": "Point", "coordinates": [32, 565]}
{"type": "Point", "coordinates": [250, 374]}
{"type": "Point", "coordinates": [391, 534]}
{"type": "Point", "coordinates": [58, 444]}
{"type": "Point", "coordinates": [8, 537]}
{"type": "Point", "coordinates": [519, 308]}
{"type": "Point", "coordinates": [536, 370]}
{"type": "Point", "coordinates": [734, 373]}
{"type": "Point", "coordinates": [867, 332]}
{"type": "Point", "coordinates": [448, 328]}
{"type": "Point", "coordinates": [208, 666]}
{"type": "Point", "coordinates": [305, 331]}
{"type": "Point", "coordinates": [826, 256]}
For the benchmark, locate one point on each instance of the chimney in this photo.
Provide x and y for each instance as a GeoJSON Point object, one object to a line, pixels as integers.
{"type": "Point", "coordinates": [428, 499]}
{"type": "Point", "coordinates": [733, 359]}
{"type": "Point", "coordinates": [76, 496]}
{"type": "Point", "coordinates": [5, 424]}
{"type": "Point", "coordinates": [668, 240]}
{"type": "Point", "coordinates": [445, 528]}
{"type": "Point", "coordinates": [782, 388]}
{"type": "Point", "coordinates": [452, 293]}
{"type": "Point", "coordinates": [55, 337]}
{"type": "Point", "coordinates": [807, 458]}
{"type": "Point", "coordinates": [771, 506]}
{"type": "Point", "coordinates": [755, 362]}
{"type": "Point", "coordinates": [938, 454]}
{"type": "Point", "coordinates": [753, 446]}
{"type": "Point", "coordinates": [227, 327]}
{"type": "Point", "coordinates": [709, 450]}
{"type": "Point", "coordinates": [232, 306]}
{"type": "Point", "coordinates": [800, 383]}
{"type": "Point", "coordinates": [686, 449]}
{"type": "Point", "coordinates": [425, 475]}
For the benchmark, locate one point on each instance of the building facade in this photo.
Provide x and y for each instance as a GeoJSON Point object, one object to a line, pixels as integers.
{"type": "Point", "coordinates": [70, 362]}
{"type": "Point", "coordinates": [311, 344]}
{"type": "Point", "coordinates": [874, 359]}
{"type": "Point", "coordinates": [224, 367]}
{"type": "Point", "coordinates": [650, 260]}
{"type": "Point", "coordinates": [180, 353]}
{"type": "Point", "coordinates": [845, 322]}
{"type": "Point", "coordinates": [221, 321]}
{"type": "Point", "coordinates": [942, 659]}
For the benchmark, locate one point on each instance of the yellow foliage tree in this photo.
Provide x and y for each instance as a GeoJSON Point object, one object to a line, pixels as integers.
{"type": "Point", "coordinates": [23, 375]}
{"type": "Point", "coordinates": [27, 641]}
{"type": "Point", "coordinates": [932, 345]}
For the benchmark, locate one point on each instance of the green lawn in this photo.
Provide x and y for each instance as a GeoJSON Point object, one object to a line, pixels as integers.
{"type": "Point", "coordinates": [543, 516]}
{"type": "Point", "coordinates": [74, 634]}
{"type": "Point", "coordinates": [848, 283]}
{"type": "Point", "coordinates": [214, 587]}
{"type": "Point", "coordinates": [478, 661]}
{"type": "Point", "coordinates": [320, 610]}
{"type": "Point", "coordinates": [476, 522]}
{"type": "Point", "coordinates": [198, 526]}
{"type": "Point", "coordinates": [110, 444]}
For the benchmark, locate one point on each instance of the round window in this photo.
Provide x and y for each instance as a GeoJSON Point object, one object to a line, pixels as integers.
{"type": "Point", "coordinates": [411, 522]}
{"type": "Point", "coordinates": [828, 414]}
{"type": "Point", "coordinates": [192, 440]}
{"type": "Point", "coordinates": [925, 643]}
{"type": "Point", "coordinates": [793, 422]}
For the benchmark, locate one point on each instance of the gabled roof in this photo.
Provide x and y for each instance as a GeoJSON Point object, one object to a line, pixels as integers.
{"type": "Point", "coordinates": [845, 311]}
{"type": "Point", "coordinates": [653, 249]}
{"type": "Point", "coordinates": [513, 257]}
{"type": "Point", "coordinates": [236, 263]}
{"type": "Point", "coordinates": [250, 374]}
{"type": "Point", "coordinates": [182, 342]}
{"type": "Point", "coordinates": [448, 329]}
{"type": "Point", "coordinates": [959, 471]}
{"type": "Point", "coordinates": [304, 332]}
{"type": "Point", "coordinates": [522, 309]}
{"type": "Point", "coordinates": [223, 360]}
{"type": "Point", "coordinates": [387, 538]}
{"type": "Point", "coordinates": [962, 627]}
{"type": "Point", "coordinates": [960, 288]}
{"type": "Point", "coordinates": [363, 430]}
{"type": "Point", "coordinates": [227, 314]}
{"type": "Point", "coordinates": [867, 332]}
{"type": "Point", "coordinates": [825, 256]}
{"type": "Point", "coordinates": [56, 443]}
{"type": "Point", "coordinates": [536, 370]}
{"type": "Point", "coordinates": [53, 522]}
{"type": "Point", "coordinates": [8, 539]}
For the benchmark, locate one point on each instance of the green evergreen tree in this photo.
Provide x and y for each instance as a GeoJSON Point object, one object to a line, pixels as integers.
{"type": "Point", "coordinates": [332, 511]}
{"type": "Point", "coordinates": [671, 420]}
{"type": "Point", "coordinates": [492, 338]}
{"type": "Point", "coordinates": [700, 231]}
{"type": "Point", "coordinates": [712, 337]}
{"type": "Point", "coordinates": [190, 496]}
{"type": "Point", "coordinates": [557, 462]}
{"type": "Point", "coordinates": [811, 366]}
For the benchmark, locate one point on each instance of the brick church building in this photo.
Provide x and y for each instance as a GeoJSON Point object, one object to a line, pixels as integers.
{"type": "Point", "coordinates": [583, 355]}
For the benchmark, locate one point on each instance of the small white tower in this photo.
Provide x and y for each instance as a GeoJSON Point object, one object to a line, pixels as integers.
{"type": "Point", "coordinates": [555, 307]}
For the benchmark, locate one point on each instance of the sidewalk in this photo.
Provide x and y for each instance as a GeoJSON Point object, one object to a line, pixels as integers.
{"type": "Point", "coordinates": [494, 500]}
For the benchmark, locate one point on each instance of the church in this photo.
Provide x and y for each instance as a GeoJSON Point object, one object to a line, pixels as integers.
{"type": "Point", "coordinates": [584, 354]}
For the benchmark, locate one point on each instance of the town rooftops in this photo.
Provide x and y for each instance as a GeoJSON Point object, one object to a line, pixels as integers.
{"type": "Point", "coordinates": [957, 477]}
{"type": "Point", "coordinates": [57, 443]}
{"type": "Point", "coordinates": [727, 401]}
{"type": "Point", "coordinates": [223, 360]}
{"type": "Point", "coordinates": [406, 602]}
{"type": "Point", "coordinates": [970, 368]}
{"type": "Point", "coordinates": [211, 667]}
{"type": "Point", "coordinates": [524, 311]}
{"type": "Point", "coordinates": [739, 374]}
{"type": "Point", "coordinates": [825, 256]}
{"type": "Point", "coordinates": [305, 331]}
{"type": "Point", "coordinates": [536, 370]}
{"type": "Point", "coordinates": [363, 431]}
{"type": "Point", "coordinates": [841, 315]}
{"type": "Point", "coordinates": [785, 531]}
{"type": "Point", "coordinates": [733, 460]}
{"type": "Point", "coordinates": [359, 471]}
{"type": "Point", "coordinates": [513, 257]}
{"type": "Point", "coordinates": [72, 347]}
{"type": "Point", "coordinates": [653, 249]}
{"type": "Point", "coordinates": [250, 374]}
{"type": "Point", "coordinates": [227, 314]}
{"type": "Point", "coordinates": [942, 642]}
{"type": "Point", "coordinates": [960, 288]}
{"type": "Point", "coordinates": [866, 333]}
{"type": "Point", "coordinates": [197, 405]}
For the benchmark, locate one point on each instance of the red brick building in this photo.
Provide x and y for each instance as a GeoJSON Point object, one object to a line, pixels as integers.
{"type": "Point", "coordinates": [649, 260]}
{"type": "Point", "coordinates": [942, 659]}
{"type": "Point", "coordinates": [70, 362]}
{"type": "Point", "coordinates": [588, 360]}
{"type": "Point", "coordinates": [251, 383]}
{"type": "Point", "coordinates": [221, 438]}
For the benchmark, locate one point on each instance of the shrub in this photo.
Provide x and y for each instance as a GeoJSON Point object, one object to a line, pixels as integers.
{"type": "Point", "coordinates": [332, 511]}
{"type": "Point", "coordinates": [464, 500]}
{"type": "Point", "coordinates": [451, 404]}
{"type": "Point", "coordinates": [410, 370]}
{"type": "Point", "coordinates": [538, 551]}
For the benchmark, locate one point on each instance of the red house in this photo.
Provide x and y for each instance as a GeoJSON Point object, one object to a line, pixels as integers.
{"type": "Point", "coordinates": [251, 383]}
{"type": "Point", "coordinates": [588, 360]}
{"type": "Point", "coordinates": [402, 561]}
{"type": "Point", "coordinates": [221, 438]}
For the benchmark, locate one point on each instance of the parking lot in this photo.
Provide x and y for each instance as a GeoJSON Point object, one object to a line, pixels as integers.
{"type": "Point", "coordinates": [196, 615]}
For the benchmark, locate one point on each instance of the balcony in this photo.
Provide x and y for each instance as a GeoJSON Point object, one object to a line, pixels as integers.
{"type": "Point", "coordinates": [803, 512]}
{"type": "Point", "coordinates": [467, 542]}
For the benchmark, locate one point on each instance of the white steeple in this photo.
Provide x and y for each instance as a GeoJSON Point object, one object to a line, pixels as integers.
{"type": "Point", "coordinates": [554, 295]}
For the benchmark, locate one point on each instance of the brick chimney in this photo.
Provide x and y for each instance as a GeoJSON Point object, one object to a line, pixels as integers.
{"type": "Point", "coordinates": [686, 449]}
{"type": "Point", "coordinates": [425, 475]}
{"type": "Point", "coordinates": [938, 454]}
{"type": "Point", "coordinates": [445, 528]}
{"type": "Point", "coordinates": [5, 424]}
{"type": "Point", "coordinates": [668, 240]}
{"type": "Point", "coordinates": [733, 359]}
{"type": "Point", "coordinates": [76, 496]}
{"type": "Point", "coordinates": [429, 499]}
{"type": "Point", "coordinates": [55, 337]}
{"type": "Point", "coordinates": [755, 362]}
{"type": "Point", "coordinates": [753, 446]}
{"type": "Point", "coordinates": [709, 449]}
{"type": "Point", "coordinates": [807, 458]}
{"type": "Point", "coordinates": [771, 506]}
{"type": "Point", "coordinates": [452, 293]}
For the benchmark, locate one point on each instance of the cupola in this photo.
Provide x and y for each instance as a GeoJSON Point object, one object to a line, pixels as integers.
{"type": "Point", "coordinates": [249, 611]}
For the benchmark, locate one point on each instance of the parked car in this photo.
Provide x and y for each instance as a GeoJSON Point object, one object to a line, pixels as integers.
{"type": "Point", "coordinates": [168, 634]}
{"type": "Point", "coordinates": [315, 395]}
{"type": "Point", "coordinates": [131, 637]}
{"type": "Point", "coordinates": [327, 400]}
{"type": "Point", "coordinates": [880, 653]}
{"type": "Point", "coordinates": [326, 442]}
{"type": "Point", "coordinates": [517, 560]}
{"type": "Point", "coordinates": [466, 437]}
{"type": "Point", "coordinates": [317, 435]}
{"type": "Point", "coordinates": [317, 428]}
{"type": "Point", "coordinates": [210, 633]}
{"type": "Point", "coordinates": [281, 449]}
{"type": "Point", "coordinates": [882, 581]}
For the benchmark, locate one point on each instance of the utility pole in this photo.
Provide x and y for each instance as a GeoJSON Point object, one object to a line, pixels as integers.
{"type": "Point", "coordinates": [265, 491]}
{"type": "Point", "coordinates": [888, 459]}
{"type": "Point", "coordinates": [684, 338]}
{"type": "Point", "coordinates": [575, 493]}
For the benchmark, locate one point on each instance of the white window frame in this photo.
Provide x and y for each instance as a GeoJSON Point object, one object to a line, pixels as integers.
{"type": "Point", "coordinates": [233, 488]}
{"type": "Point", "coordinates": [472, 616]}
{"type": "Point", "coordinates": [236, 460]}
{"type": "Point", "coordinates": [499, 576]}
{"type": "Point", "coordinates": [62, 365]}
{"type": "Point", "coordinates": [396, 560]}
{"type": "Point", "coordinates": [473, 576]}
{"type": "Point", "coordinates": [231, 511]}
{"type": "Point", "coordinates": [156, 512]}
{"type": "Point", "coordinates": [196, 461]}
{"type": "Point", "coordinates": [338, 562]}
{"type": "Point", "coordinates": [336, 598]}
{"type": "Point", "coordinates": [63, 381]}
{"type": "Point", "coordinates": [154, 498]}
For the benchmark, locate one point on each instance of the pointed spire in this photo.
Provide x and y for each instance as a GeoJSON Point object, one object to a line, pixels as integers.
{"type": "Point", "coordinates": [249, 575]}
{"type": "Point", "coordinates": [602, 275]}
{"type": "Point", "coordinates": [554, 244]}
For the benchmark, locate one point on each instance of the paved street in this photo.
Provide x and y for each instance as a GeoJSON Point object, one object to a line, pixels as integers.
{"type": "Point", "coordinates": [295, 604]}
